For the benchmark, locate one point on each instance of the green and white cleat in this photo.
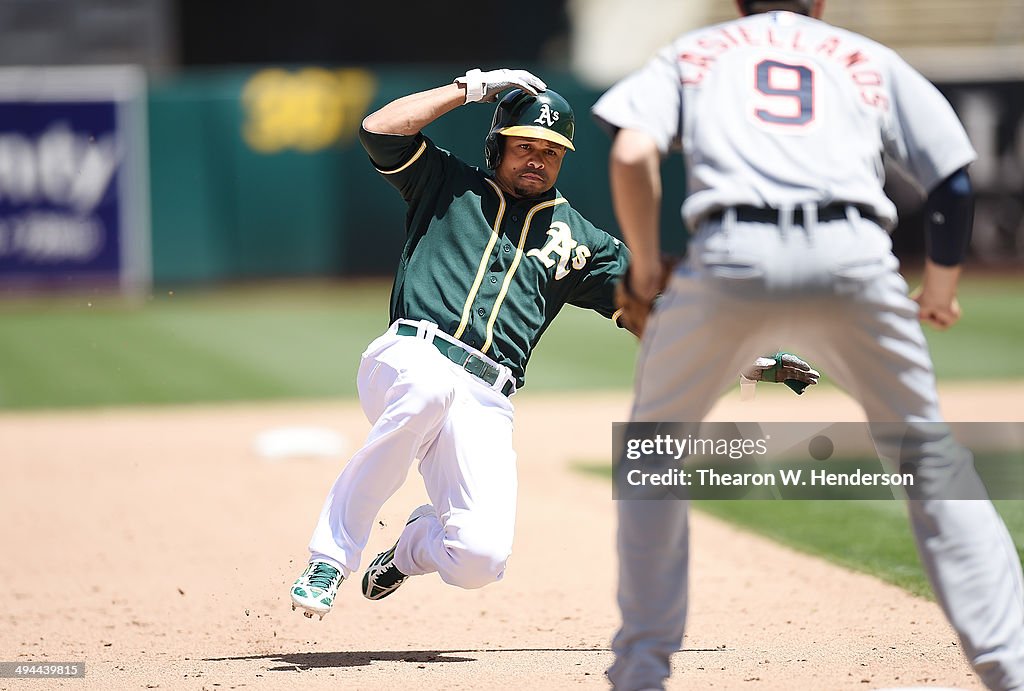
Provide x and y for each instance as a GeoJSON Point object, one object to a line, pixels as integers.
{"type": "Point", "coordinates": [314, 591]}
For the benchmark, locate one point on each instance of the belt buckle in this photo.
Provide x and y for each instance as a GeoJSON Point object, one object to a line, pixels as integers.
{"type": "Point", "coordinates": [481, 369]}
{"type": "Point", "coordinates": [476, 366]}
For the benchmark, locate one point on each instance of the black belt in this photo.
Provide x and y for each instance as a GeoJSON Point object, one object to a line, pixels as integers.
{"type": "Point", "coordinates": [473, 364]}
{"type": "Point", "coordinates": [760, 214]}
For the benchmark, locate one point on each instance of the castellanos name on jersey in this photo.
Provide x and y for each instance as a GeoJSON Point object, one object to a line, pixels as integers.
{"type": "Point", "coordinates": [562, 244]}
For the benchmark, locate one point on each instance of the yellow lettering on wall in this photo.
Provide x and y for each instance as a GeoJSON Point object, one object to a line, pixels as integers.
{"type": "Point", "coordinates": [307, 110]}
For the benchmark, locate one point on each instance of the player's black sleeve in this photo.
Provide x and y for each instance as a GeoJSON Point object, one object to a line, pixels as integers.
{"type": "Point", "coordinates": [410, 163]}
{"type": "Point", "coordinates": [389, 151]}
{"type": "Point", "coordinates": [949, 216]}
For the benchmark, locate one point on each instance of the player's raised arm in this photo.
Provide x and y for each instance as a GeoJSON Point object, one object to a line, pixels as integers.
{"type": "Point", "coordinates": [410, 114]}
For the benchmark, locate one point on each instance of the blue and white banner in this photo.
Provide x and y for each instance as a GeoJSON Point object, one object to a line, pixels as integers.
{"type": "Point", "coordinates": [74, 207]}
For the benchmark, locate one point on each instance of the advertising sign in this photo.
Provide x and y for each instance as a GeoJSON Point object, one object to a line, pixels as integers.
{"type": "Point", "coordinates": [74, 209]}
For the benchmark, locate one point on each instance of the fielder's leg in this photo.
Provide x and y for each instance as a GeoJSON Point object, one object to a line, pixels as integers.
{"type": "Point", "coordinates": [875, 349]}
{"type": "Point", "coordinates": [681, 371]}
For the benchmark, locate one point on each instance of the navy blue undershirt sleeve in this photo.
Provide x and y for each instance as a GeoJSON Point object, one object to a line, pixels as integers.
{"type": "Point", "coordinates": [949, 216]}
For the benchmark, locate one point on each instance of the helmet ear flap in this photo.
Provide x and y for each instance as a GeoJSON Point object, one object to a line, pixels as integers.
{"type": "Point", "coordinates": [492, 150]}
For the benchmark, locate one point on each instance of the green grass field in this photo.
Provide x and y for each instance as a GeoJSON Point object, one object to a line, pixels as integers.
{"type": "Point", "coordinates": [869, 536]}
{"type": "Point", "coordinates": [303, 340]}
{"type": "Point", "coordinates": [242, 343]}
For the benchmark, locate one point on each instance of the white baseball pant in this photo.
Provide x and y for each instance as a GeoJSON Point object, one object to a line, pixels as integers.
{"type": "Point", "coordinates": [422, 405]}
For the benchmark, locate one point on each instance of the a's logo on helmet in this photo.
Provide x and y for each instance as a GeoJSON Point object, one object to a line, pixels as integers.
{"type": "Point", "coordinates": [547, 116]}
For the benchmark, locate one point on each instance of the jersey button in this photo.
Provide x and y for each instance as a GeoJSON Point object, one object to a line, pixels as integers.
{"type": "Point", "coordinates": [494, 279]}
{"type": "Point", "coordinates": [508, 248]}
{"type": "Point", "coordinates": [472, 342]}
{"type": "Point", "coordinates": [481, 311]}
{"type": "Point", "coordinates": [514, 217]}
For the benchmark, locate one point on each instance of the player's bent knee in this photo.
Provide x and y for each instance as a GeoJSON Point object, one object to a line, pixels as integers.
{"type": "Point", "coordinates": [474, 566]}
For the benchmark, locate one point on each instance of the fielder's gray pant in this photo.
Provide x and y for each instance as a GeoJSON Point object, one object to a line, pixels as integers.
{"type": "Point", "coordinates": [832, 294]}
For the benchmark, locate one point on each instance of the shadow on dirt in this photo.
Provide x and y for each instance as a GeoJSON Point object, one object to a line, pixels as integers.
{"type": "Point", "coordinates": [290, 662]}
{"type": "Point", "coordinates": [297, 662]}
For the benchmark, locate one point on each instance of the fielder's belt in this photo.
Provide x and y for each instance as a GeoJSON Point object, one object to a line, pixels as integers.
{"type": "Point", "coordinates": [463, 358]}
{"type": "Point", "coordinates": [830, 212]}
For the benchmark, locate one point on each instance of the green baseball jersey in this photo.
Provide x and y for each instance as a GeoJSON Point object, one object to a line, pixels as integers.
{"type": "Point", "coordinates": [487, 268]}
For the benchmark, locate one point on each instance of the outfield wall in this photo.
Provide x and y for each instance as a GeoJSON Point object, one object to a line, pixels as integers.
{"type": "Point", "coordinates": [260, 173]}
{"type": "Point", "coordinates": [257, 172]}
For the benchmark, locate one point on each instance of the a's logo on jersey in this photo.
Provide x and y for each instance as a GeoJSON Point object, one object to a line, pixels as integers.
{"type": "Point", "coordinates": [547, 116]}
{"type": "Point", "coordinates": [562, 244]}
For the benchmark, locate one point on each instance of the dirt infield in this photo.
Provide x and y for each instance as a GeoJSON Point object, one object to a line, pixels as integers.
{"type": "Point", "coordinates": [157, 546]}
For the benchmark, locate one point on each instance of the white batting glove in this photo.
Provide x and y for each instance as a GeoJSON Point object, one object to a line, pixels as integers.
{"type": "Point", "coordinates": [484, 87]}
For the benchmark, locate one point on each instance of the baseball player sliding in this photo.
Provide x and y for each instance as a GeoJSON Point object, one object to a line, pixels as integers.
{"type": "Point", "coordinates": [490, 258]}
{"type": "Point", "coordinates": [784, 120]}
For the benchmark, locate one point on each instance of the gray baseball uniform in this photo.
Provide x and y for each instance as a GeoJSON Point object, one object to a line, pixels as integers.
{"type": "Point", "coordinates": [783, 121]}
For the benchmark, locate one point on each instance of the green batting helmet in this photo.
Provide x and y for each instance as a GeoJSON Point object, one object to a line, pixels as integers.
{"type": "Point", "coordinates": [520, 114]}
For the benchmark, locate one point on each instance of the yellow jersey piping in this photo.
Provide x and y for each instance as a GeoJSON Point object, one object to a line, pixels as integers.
{"type": "Point", "coordinates": [468, 307]}
{"type": "Point", "coordinates": [515, 265]}
{"type": "Point", "coordinates": [419, 152]}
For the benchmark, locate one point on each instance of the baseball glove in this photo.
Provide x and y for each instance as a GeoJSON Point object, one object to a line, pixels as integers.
{"type": "Point", "coordinates": [783, 367]}
{"type": "Point", "coordinates": [633, 309]}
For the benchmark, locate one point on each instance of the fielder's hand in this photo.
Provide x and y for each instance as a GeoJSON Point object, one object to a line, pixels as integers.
{"type": "Point", "coordinates": [783, 367]}
{"type": "Point", "coordinates": [484, 87]}
{"type": "Point", "coordinates": [936, 298]}
{"type": "Point", "coordinates": [634, 307]}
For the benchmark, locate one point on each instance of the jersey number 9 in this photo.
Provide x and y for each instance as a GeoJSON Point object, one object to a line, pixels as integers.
{"type": "Point", "coordinates": [788, 93]}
